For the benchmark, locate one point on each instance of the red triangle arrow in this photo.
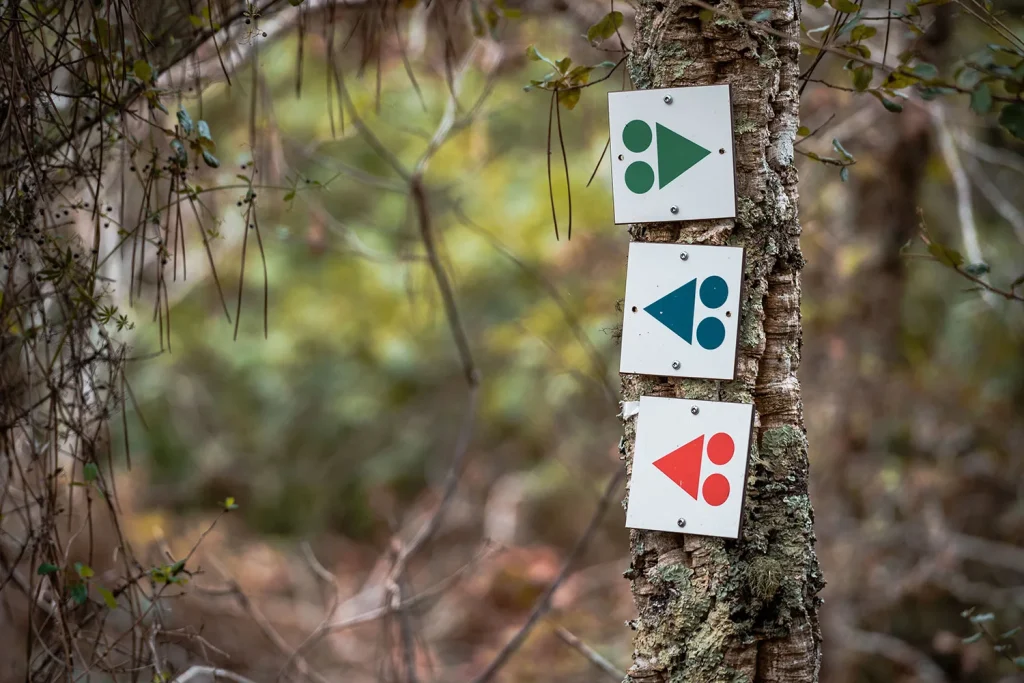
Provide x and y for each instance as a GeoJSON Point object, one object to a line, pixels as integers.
{"type": "Point", "coordinates": [682, 465]}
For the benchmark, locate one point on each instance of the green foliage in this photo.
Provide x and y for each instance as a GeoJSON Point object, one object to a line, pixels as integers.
{"type": "Point", "coordinates": [605, 28]}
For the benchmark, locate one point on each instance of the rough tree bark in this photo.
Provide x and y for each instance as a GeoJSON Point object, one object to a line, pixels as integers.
{"type": "Point", "coordinates": [713, 609]}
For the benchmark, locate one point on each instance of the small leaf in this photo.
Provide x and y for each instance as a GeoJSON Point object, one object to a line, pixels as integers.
{"type": "Point", "coordinates": [196, 22]}
{"type": "Point", "coordinates": [981, 99]}
{"type": "Point", "coordinates": [605, 28]}
{"type": "Point", "coordinates": [838, 146]}
{"type": "Point", "coordinates": [803, 131]}
{"type": "Point", "coordinates": [862, 76]}
{"type": "Point", "coordinates": [203, 128]}
{"type": "Point", "coordinates": [972, 639]}
{"type": "Point", "coordinates": [1011, 633]}
{"type": "Point", "coordinates": [945, 255]}
{"type": "Point", "coordinates": [569, 98]}
{"type": "Point", "coordinates": [816, 3]}
{"type": "Point", "coordinates": [230, 504]}
{"type": "Point", "coordinates": [844, 173]}
{"type": "Point", "coordinates": [844, 6]}
{"type": "Point", "coordinates": [984, 616]}
{"type": "Point", "coordinates": [84, 570]}
{"type": "Point", "coordinates": [890, 105]}
{"type": "Point", "coordinates": [180, 152]}
{"type": "Point", "coordinates": [289, 196]}
{"type": "Point", "coordinates": [762, 15]}
{"type": "Point", "coordinates": [79, 593]}
{"type": "Point", "coordinates": [863, 32]}
{"type": "Point", "coordinates": [563, 64]}
{"type": "Point", "coordinates": [107, 596]}
{"type": "Point", "coordinates": [925, 71]}
{"type": "Point", "coordinates": [976, 269]}
{"type": "Point", "coordinates": [185, 121]}
{"type": "Point", "coordinates": [1012, 119]}
{"type": "Point", "coordinates": [91, 472]}
{"type": "Point", "coordinates": [176, 568]}
{"type": "Point", "coordinates": [534, 54]}
{"type": "Point", "coordinates": [212, 161]}
{"type": "Point", "coordinates": [143, 71]}
{"type": "Point", "coordinates": [46, 568]}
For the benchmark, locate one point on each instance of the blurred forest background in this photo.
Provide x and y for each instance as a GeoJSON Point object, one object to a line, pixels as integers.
{"type": "Point", "coordinates": [333, 429]}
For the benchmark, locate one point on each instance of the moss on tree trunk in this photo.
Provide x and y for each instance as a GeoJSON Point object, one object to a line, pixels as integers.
{"type": "Point", "coordinates": [713, 609]}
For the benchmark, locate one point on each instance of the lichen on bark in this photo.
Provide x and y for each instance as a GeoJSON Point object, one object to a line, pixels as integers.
{"type": "Point", "coordinates": [711, 609]}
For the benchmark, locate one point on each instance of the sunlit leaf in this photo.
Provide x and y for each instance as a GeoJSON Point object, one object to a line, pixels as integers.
{"type": "Point", "coordinates": [803, 131]}
{"type": "Point", "coordinates": [863, 32]}
{"type": "Point", "coordinates": [569, 98]}
{"type": "Point", "coordinates": [107, 596]}
{"type": "Point", "coordinates": [844, 6]}
{"type": "Point", "coordinates": [84, 570]}
{"type": "Point", "coordinates": [143, 71]}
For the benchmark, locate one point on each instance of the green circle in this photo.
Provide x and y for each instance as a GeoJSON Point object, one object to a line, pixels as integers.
{"type": "Point", "coordinates": [639, 177]}
{"type": "Point", "coordinates": [637, 135]}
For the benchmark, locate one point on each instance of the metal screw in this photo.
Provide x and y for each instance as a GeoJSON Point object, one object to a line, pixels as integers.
{"type": "Point", "coordinates": [674, 209]}
{"type": "Point", "coordinates": [722, 150]}
{"type": "Point", "coordinates": [676, 365]}
{"type": "Point", "coordinates": [681, 522]}
{"type": "Point", "coordinates": [695, 410]}
{"type": "Point", "coordinates": [683, 256]}
{"type": "Point", "coordinates": [668, 99]}
{"type": "Point", "coordinates": [621, 157]}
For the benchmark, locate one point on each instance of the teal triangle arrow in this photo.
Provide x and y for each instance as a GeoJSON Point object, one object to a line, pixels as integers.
{"type": "Point", "coordinates": [675, 310]}
{"type": "Point", "coordinates": [676, 155]}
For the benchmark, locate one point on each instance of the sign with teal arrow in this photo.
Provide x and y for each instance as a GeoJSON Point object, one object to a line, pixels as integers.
{"type": "Point", "coordinates": [682, 310]}
{"type": "Point", "coordinates": [672, 156]}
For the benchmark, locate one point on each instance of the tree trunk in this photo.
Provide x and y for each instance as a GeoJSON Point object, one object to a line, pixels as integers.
{"type": "Point", "coordinates": [712, 609]}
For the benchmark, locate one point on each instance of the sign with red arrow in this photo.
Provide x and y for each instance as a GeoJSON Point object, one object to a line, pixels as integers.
{"type": "Point", "coordinates": [690, 466]}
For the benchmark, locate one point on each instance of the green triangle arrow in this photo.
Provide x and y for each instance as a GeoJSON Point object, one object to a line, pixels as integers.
{"type": "Point", "coordinates": [676, 155]}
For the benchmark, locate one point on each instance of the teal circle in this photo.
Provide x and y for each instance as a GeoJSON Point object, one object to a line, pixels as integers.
{"type": "Point", "coordinates": [637, 136]}
{"type": "Point", "coordinates": [710, 333]}
{"type": "Point", "coordinates": [639, 177]}
{"type": "Point", "coordinates": [713, 292]}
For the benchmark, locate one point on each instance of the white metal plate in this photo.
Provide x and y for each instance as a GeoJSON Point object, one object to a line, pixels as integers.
{"type": "Point", "coordinates": [677, 154]}
{"type": "Point", "coordinates": [681, 317]}
{"type": "Point", "coordinates": [690, 467]}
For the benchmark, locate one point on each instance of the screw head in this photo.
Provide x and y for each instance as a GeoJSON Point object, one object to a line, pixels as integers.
{"type": "Point", "coordinates": [680, 522]}
{"type": "Point", "coordinates": [674, 209]}
{"type": "Point", "coordinates": [695, 410]}
{"type": "Point", "coordinates": [676, 365]}
{"type": "Point", "coordinates": [683, 256]}
{"type": "Point", "coordinates": [721, 150]}
{"type": "Point", "coordinates": [621, 157]}
{"type": "Point", "coordinates": [668, 99]}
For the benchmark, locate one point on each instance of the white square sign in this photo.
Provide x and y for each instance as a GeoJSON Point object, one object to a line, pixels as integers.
{"type": "Point", "coordinates": [682, 310]}
{"type": "Point", "coordinates": [690, 466]}
{"type": "Point", "coordinates": [672, 156]}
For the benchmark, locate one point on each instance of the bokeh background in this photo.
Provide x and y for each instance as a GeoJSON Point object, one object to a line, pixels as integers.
{"type": "Point", "coordinates": [334, 430]}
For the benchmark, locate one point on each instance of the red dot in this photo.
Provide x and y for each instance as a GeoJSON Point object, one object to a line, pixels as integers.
{"type": "Point", "coordinates": [720, 448]}
{"type": "Point", "coordinates": [716, 490]}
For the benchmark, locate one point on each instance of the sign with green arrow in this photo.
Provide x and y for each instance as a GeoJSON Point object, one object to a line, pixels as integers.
{"type": "Point", "coordinates": [672, 156]}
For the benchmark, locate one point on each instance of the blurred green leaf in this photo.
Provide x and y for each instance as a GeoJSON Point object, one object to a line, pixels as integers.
{"type": "Point", "coordinates": [945, 255]}
{"type": "Point", "coordinates": [46, 568]}
{"type": "Point", "coordinates": [184, 121]}
{"type": "Point", "coordinates": [107, 596]}
{"type": "Point", "coordinates": [210, 160]}
{"type": "Point", "coordinates": [1012, 119]}
{"type": "Point", "coordinates": [91, 472]}
{"type": "Point", "coordinates": [976, 269]}
{"type": "Point", "coordinates": [981, 99]}
{"type": "Point", "coordinates": [84, 570]}
{"type": "Point", "coordinates": [143, 71]}
{"type": "Point", "coordinates": [605, 28]}
{"type": "Point", "coordinates": [569, 98]}
{"type": "Point", "coordinates": [79, 593]}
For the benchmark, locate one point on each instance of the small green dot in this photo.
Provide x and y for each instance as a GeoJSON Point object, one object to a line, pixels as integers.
{"type": "Point", "coordinates": [637, 136]}
{"type": "Point", "coordinates": [639, 177]}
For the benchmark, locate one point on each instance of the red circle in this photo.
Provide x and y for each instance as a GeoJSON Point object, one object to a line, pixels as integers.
{"type": "Point", "coordinates": [716, 490]}
{"type": "Point", "coordinates": [720, 448]}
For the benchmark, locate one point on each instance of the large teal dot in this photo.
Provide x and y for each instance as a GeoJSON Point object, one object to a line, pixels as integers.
{"type": "Point", "coordinates": [713, 292]}
{"type": "Point", "coordinates": [710, 333]}
{"type": "Point", "coordinates": [639, 177]}
{"type": "Point", "coordinates": [637, 135]}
